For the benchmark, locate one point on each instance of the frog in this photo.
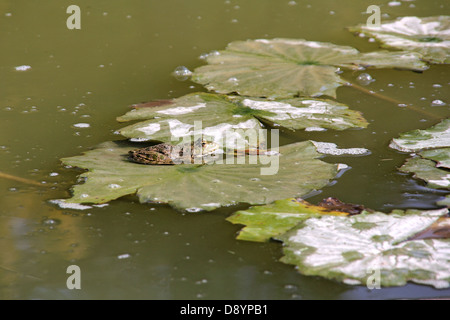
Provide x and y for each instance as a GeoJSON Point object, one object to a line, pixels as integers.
{"type": "Point", "coordinates": [167, 154]}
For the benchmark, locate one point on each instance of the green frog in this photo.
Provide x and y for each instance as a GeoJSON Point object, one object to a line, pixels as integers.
{"type": "Point", "coordinates": [164, 153]}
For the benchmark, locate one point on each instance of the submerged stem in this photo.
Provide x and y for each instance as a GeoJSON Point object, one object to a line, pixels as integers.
{"type": "Point", "coordinates": [392, 100]}
{"type": "Point", "coordinates": [19, 179]}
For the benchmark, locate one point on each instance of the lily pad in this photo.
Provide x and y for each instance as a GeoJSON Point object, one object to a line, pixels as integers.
{"type": "Point", "coordinates": [426, 170]}
{"type": "Point", "coordinates": [222, 116]}
{"type": "Point", "coordinates": [441, 156]}
{"type": "Point", "coordinates": [428, 36]}
{"type": "Point", "coordinates": [433, 163]}
{"type": "Point", "coordinates": [293, 171]}
{"type": "Point", "coordinates": [437, 136]}
{"type": "Point", "coordinates": [370, 247]}
{"type": "Point", "coordinates": [265, 222]}
{"type": "Point", "coordinates": [285, 68]}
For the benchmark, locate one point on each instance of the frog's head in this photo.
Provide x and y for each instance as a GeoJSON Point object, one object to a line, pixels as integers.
{"type": "Point", "coordinates": [202, 147]}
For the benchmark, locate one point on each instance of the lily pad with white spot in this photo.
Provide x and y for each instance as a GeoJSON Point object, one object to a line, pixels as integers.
{"type": "Point", "coordinates": [433, 162]}
{"type": "Point", "coordinates": [263, 223]}
{"type": "Point", "coordinates": [437, 136]}
{"type": "Point", "coordinates": [425, 169]}
{"type": "Point", "coordinates": [225, 119]}
{"type": "Point", "coordinates": [286, 68]}
{"type": "Point", "coordinates": [441, 156]}
{"type": "Point", "coordinates": [292, 171]}
{"type": "Point", "coordinates": [429, 36]}
{"type": "Point", "coordinates": [370, 249]}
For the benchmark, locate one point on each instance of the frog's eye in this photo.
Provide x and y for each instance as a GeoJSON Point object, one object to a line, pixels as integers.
{"type": "Point", "coordinates": [203, 144]}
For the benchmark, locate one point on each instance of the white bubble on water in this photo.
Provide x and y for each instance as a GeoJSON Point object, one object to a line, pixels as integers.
{"type": "Point", "coordinates": [438, 103]}
{"type": "Point", "coordinates": [81, 125]}
{"type": "Point", "coordinates": [22, 68]}
{"type": "Point", "coordinates": [394, 4]}
{"type": "Point", "coordinates": [124, 256]}
{"type": "Point", "coordinates": [181, 73]}
{"type": "Point", "coordinates": [365, 79]}
{"type": "Point", "coordinates": [51, 222]}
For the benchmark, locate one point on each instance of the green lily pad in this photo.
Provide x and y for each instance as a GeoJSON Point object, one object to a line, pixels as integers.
{"type": "Point", "coordinates": [265, 222]}
{"type": "Point", "coordinates": [338, 248]}
{"type": "Point", "coordinates": [441, 156]}
{"type": "Point", "coordinates": [426, 170]}
{"type": "Point", "coordinates": [294, 171]}
{"type": "Point", "coordinates": [437, 136]}
{"type": "Point", "coordinates": [222, 116]}
{"type": "Point", "coordinates": [434, 161]}
{"type": "Point", "coordinates": [428, 36]}
{"type": "Point", "coordinates": [285, 68]}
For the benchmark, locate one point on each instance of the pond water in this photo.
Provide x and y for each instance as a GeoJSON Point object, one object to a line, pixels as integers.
{"type": "Point", "coordinates": [124, 54]}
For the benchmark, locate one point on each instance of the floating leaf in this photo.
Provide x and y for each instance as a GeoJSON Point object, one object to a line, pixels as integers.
{"type": "Point", "coordinates": [428, 36]}
{"type": "Point", "coordinates": [222, 116]}
{"type": "Point", "coordinates": [355, 249]}
{"type": "Point", "coordinates": [433, 163]}
{"type": "Point", "coordinates": [294, 171]}
{"type": "Point", "coordinates": [266, 222]}
{"type": "Point", "coordinates": [437, 136]}
{"type": "Point", "coordinates": [441, 156]}
{"type": "Point", "coordinates": [284, 68]}
{"type": "Point", "coordinates": [426, 170]}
